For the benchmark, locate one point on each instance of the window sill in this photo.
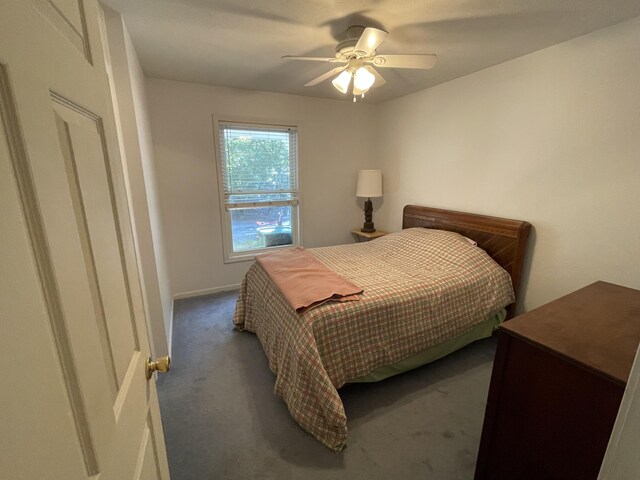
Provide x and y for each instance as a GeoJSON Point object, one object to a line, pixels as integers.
{"type": "Point", "coordinates": [251, 256]}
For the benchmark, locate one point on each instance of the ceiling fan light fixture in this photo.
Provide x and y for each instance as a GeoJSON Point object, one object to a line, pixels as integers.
{"type": "Point", "coordinates": [342, 81]}
{"type": "Point", "coordinates": [362, 81]}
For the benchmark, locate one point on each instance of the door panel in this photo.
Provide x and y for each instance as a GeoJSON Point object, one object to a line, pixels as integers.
{"type": "Point", "coordinates": [81, 140]}
{"type": "Point", "coordinates": [68, 18]}
{"type": "Point", "coordinates": [79, 405]}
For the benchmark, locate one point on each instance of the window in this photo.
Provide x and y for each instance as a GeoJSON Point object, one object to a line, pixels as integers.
{"type": "Point", "coordinates": [258, 187]}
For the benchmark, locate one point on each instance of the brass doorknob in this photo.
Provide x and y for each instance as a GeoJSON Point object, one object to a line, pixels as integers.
{"type": "Point", "coordinates": [163, 364]}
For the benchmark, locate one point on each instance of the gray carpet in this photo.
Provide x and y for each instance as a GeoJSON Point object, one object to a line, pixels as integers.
{"type": "Point", "coordinates": [222, 420]}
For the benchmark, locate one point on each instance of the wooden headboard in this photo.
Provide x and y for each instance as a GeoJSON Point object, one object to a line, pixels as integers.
{"type": "Point", "coordinates": [505, 240]}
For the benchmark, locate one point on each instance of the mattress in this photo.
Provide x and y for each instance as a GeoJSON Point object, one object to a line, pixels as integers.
{"type": "Point", "coordinates": [430, 354]}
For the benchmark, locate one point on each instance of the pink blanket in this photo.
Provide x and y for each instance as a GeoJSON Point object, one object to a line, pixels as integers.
{"type": "Point", "coordinates": [304, 280]}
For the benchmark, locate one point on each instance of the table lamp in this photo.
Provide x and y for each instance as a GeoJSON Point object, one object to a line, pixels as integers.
{"type": "Point", "coordinates": [369, 186]}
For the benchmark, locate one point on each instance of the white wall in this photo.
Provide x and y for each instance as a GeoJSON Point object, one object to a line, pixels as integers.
{"type": "Point", "coordinates": [552, 138]}
{"type": "Point", "coordinates": [128, 90]}
{"type": "Point", "coordinates": [336, 139]}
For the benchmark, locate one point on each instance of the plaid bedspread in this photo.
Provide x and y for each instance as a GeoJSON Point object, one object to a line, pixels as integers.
{"type": "Point", "coordinates": [421, 287]}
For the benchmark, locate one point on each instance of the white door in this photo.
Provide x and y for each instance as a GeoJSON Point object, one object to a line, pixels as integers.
{"type": "Point", "coordinates": [74, 399]}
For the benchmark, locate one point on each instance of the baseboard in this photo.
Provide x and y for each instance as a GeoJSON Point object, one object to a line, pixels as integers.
{"type": "Point", "coordinates": [206, 291]}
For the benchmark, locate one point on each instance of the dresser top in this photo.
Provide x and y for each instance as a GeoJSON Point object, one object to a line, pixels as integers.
{"type": "Point", "coordinates": [597, 326]}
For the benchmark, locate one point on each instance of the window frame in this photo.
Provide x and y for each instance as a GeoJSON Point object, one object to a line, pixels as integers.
{"type": "Point", "coordinates": [225, 213]}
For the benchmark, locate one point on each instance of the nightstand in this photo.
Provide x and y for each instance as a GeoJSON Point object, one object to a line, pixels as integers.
{"type": "Point", "coordinates": [361, 236]}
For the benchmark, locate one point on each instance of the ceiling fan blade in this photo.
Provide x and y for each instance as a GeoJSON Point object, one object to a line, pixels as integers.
{"type": "Point", "coordinates": [379, 80]}
{"type": "Point", "coordinates": [405, 61]}
{"type": "Point", "coordinates": [314, 59]}
{"type": "Point", "coordinates": [324, 76]}
{"type": "Point", "coordinates": [370, 39]}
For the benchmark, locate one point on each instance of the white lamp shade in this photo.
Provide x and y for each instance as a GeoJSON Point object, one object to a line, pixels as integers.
{"type": "Point", "coordinates": [369, 184]}
{"type": "Point", "coordinates": [362, 81]}
{"type": "Point", "coordinates": [342, 81]}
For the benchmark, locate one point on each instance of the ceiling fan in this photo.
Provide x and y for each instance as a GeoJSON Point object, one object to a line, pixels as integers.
{"type": "Point", "coordinates": [359, 56]}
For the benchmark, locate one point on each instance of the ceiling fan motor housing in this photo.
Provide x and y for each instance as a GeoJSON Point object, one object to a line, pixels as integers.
{"type": "Point", "coordinates": [346, 48]}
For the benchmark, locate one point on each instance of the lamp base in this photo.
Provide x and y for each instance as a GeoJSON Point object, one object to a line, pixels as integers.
{"type": "Point", "coordinates": [368, 227]}
{"type": "Point", "coordinates": [368, 214]}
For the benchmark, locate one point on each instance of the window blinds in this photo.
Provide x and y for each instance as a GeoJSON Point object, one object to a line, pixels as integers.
{"type": "Point", "coordinates": [258, 165]}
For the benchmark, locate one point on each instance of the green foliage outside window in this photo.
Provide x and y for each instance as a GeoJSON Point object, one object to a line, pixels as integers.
{"type": "Point", "coordinates": [257, 163]}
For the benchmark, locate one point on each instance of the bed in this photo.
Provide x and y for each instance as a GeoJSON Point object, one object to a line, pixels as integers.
{"type": "Point", "coordinates": [427, 291]}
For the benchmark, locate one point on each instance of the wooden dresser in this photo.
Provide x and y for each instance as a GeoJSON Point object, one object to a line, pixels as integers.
{"type": "Point", "coordinates": [557, 382]}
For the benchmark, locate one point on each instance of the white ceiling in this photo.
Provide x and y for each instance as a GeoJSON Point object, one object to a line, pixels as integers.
{"type": "Point", "coordinates": [239, 43]}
